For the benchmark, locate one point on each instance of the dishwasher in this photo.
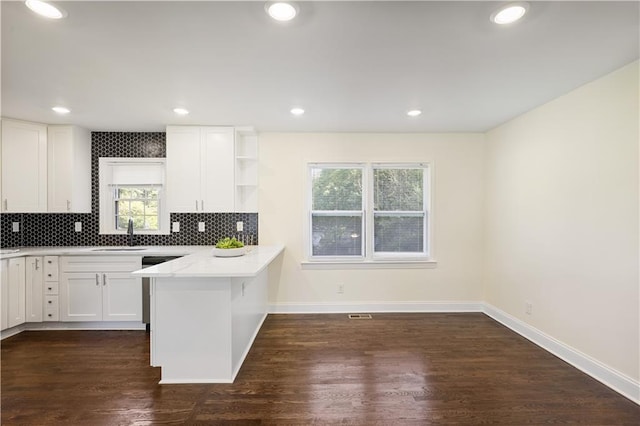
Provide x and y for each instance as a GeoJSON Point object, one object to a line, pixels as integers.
{"type": "Point", "coordinates": [148, 261]}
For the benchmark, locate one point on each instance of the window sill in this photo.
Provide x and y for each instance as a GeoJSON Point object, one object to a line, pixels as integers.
{"type": "Point", "coordinates": [371, 264]}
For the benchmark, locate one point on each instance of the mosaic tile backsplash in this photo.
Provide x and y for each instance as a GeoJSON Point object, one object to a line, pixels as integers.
{"type": "Point", "coordinates": [57, 229]}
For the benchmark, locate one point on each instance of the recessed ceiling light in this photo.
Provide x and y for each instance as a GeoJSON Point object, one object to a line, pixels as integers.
{"type": "Point", "coordinates": [297, 111]}
{"type": "Point", "coordinates": [61, 110]}
{"type": "Point", "coordinates": [281, 10]}
{"type": "Point", "coordinates": [181, 111]}
{"type": "Point", "coordinates": [414, 113]}
{"type": "Point", "coordinates": [46, 9]}
{"type": "Point", "coordinates": [509, 13]}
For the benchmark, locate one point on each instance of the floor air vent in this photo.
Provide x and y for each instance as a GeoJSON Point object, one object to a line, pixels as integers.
{"type": "Point", "coordinates": [359, 316]}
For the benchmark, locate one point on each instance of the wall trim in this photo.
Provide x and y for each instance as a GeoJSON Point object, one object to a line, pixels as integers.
{"type": "Point", "coordinates": [368, 307]}
{"type": "Point", "coordinates": [84, 325]}
{"type": "Point", "coordinates": [619, 382]}
{"type": "Point", "coordinates": [615, 380]}
{"type": "Point", "coordinates": [236, 369]}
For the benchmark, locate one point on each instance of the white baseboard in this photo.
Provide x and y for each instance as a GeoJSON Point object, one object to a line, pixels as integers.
{"type": "Point", "coordinates": [97, 325]}
{"type": "Point", "coordinates": [236, 368]}
{"type": "Point", "coordinates": [370, 307]}
{"type": "Point", "coordinates": [12, 331]}
{"type": "Point", "coordinates": [617, 381]}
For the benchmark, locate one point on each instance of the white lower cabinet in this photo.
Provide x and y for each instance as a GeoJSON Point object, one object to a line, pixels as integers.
{"type": "Point", "coordinates": [13, 292]}
{"type": "Point", "coordinates": [100, 289]}
{"type": "Point", "coordinates": [34, 278]}
{"type": "Point", "coordinates": [4, 294]}
{"type": "Point", "coordinates": [51, 311]}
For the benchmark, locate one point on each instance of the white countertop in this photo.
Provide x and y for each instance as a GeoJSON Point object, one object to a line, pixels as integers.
{"type": "Point", "coordinates": [202, 263]}
{"type": "Point", "coordinates": [102, 251]}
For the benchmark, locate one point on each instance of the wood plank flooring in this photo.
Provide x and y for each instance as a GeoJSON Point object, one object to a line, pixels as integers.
{"type": "Point", "coordinates": [395, 369]}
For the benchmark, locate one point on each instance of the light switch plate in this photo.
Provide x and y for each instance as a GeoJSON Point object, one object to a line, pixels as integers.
{"type": "Point", "coordinates": [15, 226]}
{"type": "Point", "coordinates": [175, 227]}
{"type": "Point", "coordinates": [201, 226]}
{"type": "Point", "coordinates": [78, 226]}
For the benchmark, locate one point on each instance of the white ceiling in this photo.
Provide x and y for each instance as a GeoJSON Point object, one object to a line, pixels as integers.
{"type": "Point", "coordinates": [354, 66]}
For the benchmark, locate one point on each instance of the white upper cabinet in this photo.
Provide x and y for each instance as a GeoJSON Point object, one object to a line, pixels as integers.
{"type": "Point", "coordinates": [24, 167]}
{"type": "Point", "coordinates": [69, 169]}
{"type": "Point", "coordinates": [45, 168]}
{"type": "Point", "coordinates": [200, 169]}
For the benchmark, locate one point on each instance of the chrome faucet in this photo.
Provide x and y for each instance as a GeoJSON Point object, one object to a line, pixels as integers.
{"type": "Point", "coordinates": [130, 232]}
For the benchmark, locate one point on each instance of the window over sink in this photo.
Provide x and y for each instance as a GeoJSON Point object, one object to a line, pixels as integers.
{"type": "Point", "coordinates": [133, 188]}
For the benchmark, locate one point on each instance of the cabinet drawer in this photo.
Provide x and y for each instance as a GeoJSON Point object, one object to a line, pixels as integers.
{"type": "Point", "coordinates": [51, 268]}
{"type": "Point", "coordinates": [51, 288]}
{"type": "Point", "coordinates": [51, 311]}
{"type": "Point", "coordinates": [100, 263]}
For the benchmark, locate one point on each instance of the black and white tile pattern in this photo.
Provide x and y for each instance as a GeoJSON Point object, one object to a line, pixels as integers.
{"type": "Point", "coordinates": [58, 229]}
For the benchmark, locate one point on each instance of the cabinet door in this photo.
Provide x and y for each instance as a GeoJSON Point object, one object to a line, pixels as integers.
{"type": "Point", "coordinates": [24, 167]}
{"type": "Point", "coordinates": [80, 296]}
{"type": "Point", "coordinates": [183, 169]}
{"type": "Point", "coordinates": [121, 297]}
{"type": "Point", "coordinates": [217, 165]}
{"type": "Point", "coordinates": [34, 289]}
{"type": "Point", "coordinates": [4, 295]}
{"type": "Point", "coordinates": [69, 169]}
{"type": "Point", "coordinates": [16, 296]}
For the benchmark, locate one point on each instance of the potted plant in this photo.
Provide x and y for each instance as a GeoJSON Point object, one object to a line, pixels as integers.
{"type": "Point", "coordinates": [229, 247]}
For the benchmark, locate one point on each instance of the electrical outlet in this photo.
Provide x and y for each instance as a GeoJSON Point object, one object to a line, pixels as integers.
{"type": "Point", "coordinates": [239, 226]}
{"type": "Point", "coordinates": [78, 226]}
{"type": "Point", "coordinates": [340, 288]}
{"type": "Point", "coordinates": [15, 226]}
{"type": "Point", "coordinates": [201, 226]}
{"type": "Point", "coordinates": [528, 308]}
{"type": "Point", "coordinates": [175, 227]}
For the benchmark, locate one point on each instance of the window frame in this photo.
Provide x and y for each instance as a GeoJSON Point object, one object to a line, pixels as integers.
{"type": "Point", "coordinates": [117, 200]}
{"type": "Point", "coordinates": [370, 257]}
{"type": "Point", "coordinates": [312, 212]}
{"type": "Point", "coordinates": [426, 203]}
{"type": "Point", "coordinates": [107, 197]}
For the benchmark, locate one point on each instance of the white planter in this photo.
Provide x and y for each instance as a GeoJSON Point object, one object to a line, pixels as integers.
{"type": "Point", "coordinates": [233, 252]}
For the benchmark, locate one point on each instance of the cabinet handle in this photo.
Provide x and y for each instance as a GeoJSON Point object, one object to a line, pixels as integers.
{"type": "Point", "coordinates": [6, 204]}
{"type": "Point", "coordinates": [49, 315]}
{"type": "Point", "coordinates": [37, 260]}
{"type": "Point", "coordinates": [49, 288]}
{"type": "Point", "coordinates": [104, 279]}
{"type": "Point", "coordinates": [202, 205]}
{"type": "Point", "coordinates": [48, 275]}
{"type": "Point", "coordinates": [97, 279]}
{"type": "Point", "coordinates": [49, 302]}
{"type": "Point", "coordinates": [68, 205]}
{"type": "Point", "coordinates": [196, 205]}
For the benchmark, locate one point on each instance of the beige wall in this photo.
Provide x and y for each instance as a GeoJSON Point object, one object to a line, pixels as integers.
{"type": "Point", "coordinates": [457, 161]}
{"type": "Point", "coordinates": [562, 219]}
{"type": "Point", "coordinates": [542, 209]}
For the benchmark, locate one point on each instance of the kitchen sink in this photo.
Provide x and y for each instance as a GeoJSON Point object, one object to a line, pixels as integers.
{"type": "Point", "coordinates": [120, 249]}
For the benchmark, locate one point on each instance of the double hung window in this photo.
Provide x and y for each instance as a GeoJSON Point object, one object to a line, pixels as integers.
{"type": "Point", "coordinates": [337, 211]}
{"type": "Point", "coordinates": [368, 212]}
{"type": "Point", "coordinates": [133, 188]}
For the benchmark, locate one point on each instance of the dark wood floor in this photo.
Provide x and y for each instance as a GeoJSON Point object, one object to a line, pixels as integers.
{"type": "Point", "coordinates": [396, 369]}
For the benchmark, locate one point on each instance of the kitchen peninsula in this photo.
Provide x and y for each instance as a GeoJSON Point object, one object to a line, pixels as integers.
{"type": "Point", "coordinates": [205, 313]}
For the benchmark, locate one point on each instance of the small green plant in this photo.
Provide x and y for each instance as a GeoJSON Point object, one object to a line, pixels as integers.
{"type": "Point", "coordinates": [229, 243]}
